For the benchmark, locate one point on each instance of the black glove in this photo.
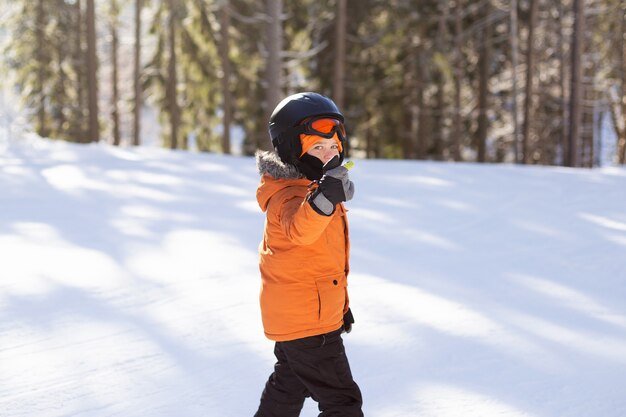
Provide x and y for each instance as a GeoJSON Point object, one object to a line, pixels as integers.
{"type": "Point", "coordinates": [348, 319]}
{"type": "Point", "coordinates": [334, 187]}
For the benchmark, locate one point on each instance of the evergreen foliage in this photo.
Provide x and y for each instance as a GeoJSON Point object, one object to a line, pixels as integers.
{"type": "Point", "coordinates": [423, 79]}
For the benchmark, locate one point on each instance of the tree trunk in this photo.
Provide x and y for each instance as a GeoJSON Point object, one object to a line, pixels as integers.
{"type": "Point", "coordinates": [92, 69]}
{"type": "Point", "coordinates": [458, 73]}
{"type": "Point", "coordinates": [137, 76]}
{"type": "Point", "coordinates": [530, 69]}
{"type": "Point", "coordinates": [514, 61]}
{"type": "Point", "coordinates": [562, 86]}
{"type": "Point", "coordinates": [439, 108]}
{"type": "Point", "coordinates": [576, 83]}
{"type": "Point", "coordinates": [420, 105]}
{"type": "Point", "coordinates": [483, 87]}
{"type": "Point", "coordinates": [79, 66]}
{"type": "Point", "coordinates": [340, 54]}
{"type": "Point", "coordinates": [588, 100]}
{"type": "Point", "coordinates": [409, 135]}
{"type": "Point", "coordinates": [274, 67]}
{"type": "Point", "coordinates": [226, 74]}
{"type": "Point", "coordinates": [41, 63]}
{"type": "Point", "coordinates": [59, 114]}
{"type": "Point", "coordinates": [172, 79]}
{"type": "Point", "coordinates": [115, 118]}
{"type": "Point", "coordinates": [621, 144]}
{"type": "Point", "coordinates": [369, 140]}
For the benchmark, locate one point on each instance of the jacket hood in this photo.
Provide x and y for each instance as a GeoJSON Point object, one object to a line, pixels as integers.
{"type": "Point", "coordinates": [268, 163]}
{"type": "Point", "coordinates": [275, 175]}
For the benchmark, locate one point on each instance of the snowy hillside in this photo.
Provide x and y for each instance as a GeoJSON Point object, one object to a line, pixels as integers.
{"type": "Point", "coordinates": [129, 287]}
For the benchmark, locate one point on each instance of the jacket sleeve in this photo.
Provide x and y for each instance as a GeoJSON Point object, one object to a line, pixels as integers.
{"type": "Point", "coordinates": [300, 223]}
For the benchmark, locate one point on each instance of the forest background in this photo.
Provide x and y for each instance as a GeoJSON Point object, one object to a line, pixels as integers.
{"type": "Point", "coordinates": [519, 81]}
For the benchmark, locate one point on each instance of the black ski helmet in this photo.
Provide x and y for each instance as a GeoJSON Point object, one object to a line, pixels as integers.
{"type": "Point", "coordinates": [289, 113]}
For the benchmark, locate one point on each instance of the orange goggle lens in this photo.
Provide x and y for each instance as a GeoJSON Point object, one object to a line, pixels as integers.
{"type": "Point", "coordinates": [325, 127]}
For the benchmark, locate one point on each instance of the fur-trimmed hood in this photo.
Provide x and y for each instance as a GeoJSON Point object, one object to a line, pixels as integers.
{"type": "Point", "coordinates": [277, 176]}
{"type": "Point", "coordinates": [269, 163]}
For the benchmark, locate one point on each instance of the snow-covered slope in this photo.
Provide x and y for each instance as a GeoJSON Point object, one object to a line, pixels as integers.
{"type": "Point", "coordinates": [129, 285]}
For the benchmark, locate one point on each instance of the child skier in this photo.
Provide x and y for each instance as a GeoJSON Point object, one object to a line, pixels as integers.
{"type": "Point", "coordinates": [304, 259]}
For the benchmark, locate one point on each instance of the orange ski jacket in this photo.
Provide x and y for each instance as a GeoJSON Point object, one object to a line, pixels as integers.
{"type": "Point", "coordinates": [303, 257]}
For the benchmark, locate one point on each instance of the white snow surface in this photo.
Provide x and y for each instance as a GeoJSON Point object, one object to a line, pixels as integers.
{"type": "Point", "coordinates": [129, 286]}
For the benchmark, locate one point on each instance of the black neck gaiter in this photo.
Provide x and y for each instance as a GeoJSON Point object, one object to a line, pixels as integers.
{"type": "Point", "coordinates": [310, 166]}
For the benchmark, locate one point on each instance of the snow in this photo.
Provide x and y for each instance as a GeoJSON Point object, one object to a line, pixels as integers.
{"type": "Point", "coordinates": [129, 286]}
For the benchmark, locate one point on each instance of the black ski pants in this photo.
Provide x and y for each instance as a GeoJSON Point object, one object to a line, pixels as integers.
{"type": "Point", "coordinates": [315, 367]}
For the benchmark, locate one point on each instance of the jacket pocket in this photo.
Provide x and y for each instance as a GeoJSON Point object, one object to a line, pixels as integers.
{"type": "Point", "coordinates": [288, 308]}
{"type": "Point", "coordinates": [331, 291]}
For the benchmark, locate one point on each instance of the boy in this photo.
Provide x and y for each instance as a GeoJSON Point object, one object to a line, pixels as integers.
{"type": "Point", "coordinates": [304, 259]}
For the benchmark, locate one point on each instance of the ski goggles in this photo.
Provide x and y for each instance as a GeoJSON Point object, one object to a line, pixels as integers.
{"type": "Point", "coordinates": [322, 126]}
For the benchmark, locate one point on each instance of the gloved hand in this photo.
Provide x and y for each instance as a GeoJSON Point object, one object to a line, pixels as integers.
{"type": "Point", "coordinates": [334, 187]}
{"type": "Point", "coordinates": [348, 319]}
